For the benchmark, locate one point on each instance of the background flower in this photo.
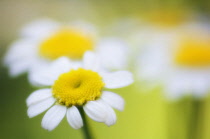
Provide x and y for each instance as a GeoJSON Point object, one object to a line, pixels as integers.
{"type": "Point", "coordinates": [179, 60]}
{"type": "Point", "coordinates": [44, 41]}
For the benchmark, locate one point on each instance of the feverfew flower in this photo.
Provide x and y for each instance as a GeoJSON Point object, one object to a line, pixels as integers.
{"type": "Point", "coordinates": [44, 41]}
{"type": "Point", "coordinates": [181, 62]}
{"type": "Point", "coordinates": [68, 89]}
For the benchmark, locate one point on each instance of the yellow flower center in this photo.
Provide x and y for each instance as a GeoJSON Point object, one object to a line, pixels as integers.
{"type": "Point", "coordinates": [165, 17]}
{"type": "Point", "coordinates": [66, 42]}
{"type": "Point", "coordinates": [77, 87]}
{"type": "Point", "coordinates": [194, 52]}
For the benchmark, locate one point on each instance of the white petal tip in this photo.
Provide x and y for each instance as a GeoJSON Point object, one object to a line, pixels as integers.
{"type": "Point", "coordinates": [77, 127]}
{"type": "Point", "coordinates": [29, 115]}
{"type": "Point", "coordinates": [74, 118]}
{"type": "Point", "coordinates": [38, 95]}
{"type": "Point", "coordinates": [121, 109]}
{"type": "Point", "coordinates": [117, 79]}
{"type": "Point", "coordinates": [48, 129]}
{"type": "Point", "coordinates": [111, 117]}
{"type": "Point", "coordinates": [108, 123]}
{"type": "Point", "coordinates": [113, 100]}
{"type": "Point", "coordinates": [53, 117]}
{"type": "Point", "coordinates": [96, 110]}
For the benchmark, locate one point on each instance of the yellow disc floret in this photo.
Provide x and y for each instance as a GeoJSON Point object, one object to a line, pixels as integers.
{"type": "Point", "coordinates": [194, 52]}
{"type": "Point", "coordinates": [165, 17]}
{"type": "Point", "coordinates": [66, 42]}
{"type": "Point", "coordinates": [77, 87]}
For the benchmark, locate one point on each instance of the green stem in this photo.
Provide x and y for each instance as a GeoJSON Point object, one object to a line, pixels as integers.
{"type": "Point", "coordinates": [85, 129]}
{"type": "Point", "coordinates": [195, 119]}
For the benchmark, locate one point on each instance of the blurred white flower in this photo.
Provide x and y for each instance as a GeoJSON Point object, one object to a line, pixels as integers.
{"type": "Point", "coordinates": [79, 87]}
{"type": "Point", "coordinates": [180, 60]}
{"type": "Point", "coordinates": [44, 41]}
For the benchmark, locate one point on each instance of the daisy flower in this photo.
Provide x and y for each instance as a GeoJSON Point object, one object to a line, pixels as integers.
{"type": "Point", "coordinates": [180, 62]}
{"type": "Point", "coordinates": [69, 89]}
{"type": "Point", "coordinates": [44, 41]}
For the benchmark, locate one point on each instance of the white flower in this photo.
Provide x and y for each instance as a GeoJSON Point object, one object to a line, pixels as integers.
{"type": "Point", "coordinates": [44, 41]}
{"type": "Point", "coordinates": [180, 62]}
{"type": "Point", "coordinates": [69, 89]}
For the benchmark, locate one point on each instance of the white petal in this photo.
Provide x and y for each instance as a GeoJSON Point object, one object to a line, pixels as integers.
{"type": "Point", "coordinates": [91, 61]}
{"type": "Point", "coordinates": [38, 95]}
{"type": "Point", "coordinates": [113, 100]}
{"type": "Point", "coordinates": [41, 78]}
{"type": "Point", "coordinates": [53, 117]}
{"type": "Point", "coordinates": [96, 110]}
{"type": "Point", "coordinates": [74, 118]}
{"type": "Point", "coordinates": [117, 79]}
{"type": "Point", "coordinates": [113, 53]}
{"type": "Point", "coordinates": [40, 28]}
{"type": "Point", "coordinates": [40, 107]}
{"type": "Point", "coordinates": [200, 84]}
{"type": "Point", "coordinates": [153, 63]}
{"type": "Point", "coordinates": [62, 64]}
{"type": "Point", "coordinates": [47, 75]}
{"type": "Point", "coordinates": [111, 116]}
{"type": "Point", "coordinates": [20, 67]}
{"type": "Point", "coordinates": [19, 50]}
{"type": "Point", "coordinates": [20, 56]}
{"type": "Point", "coordinates": [177, 85]}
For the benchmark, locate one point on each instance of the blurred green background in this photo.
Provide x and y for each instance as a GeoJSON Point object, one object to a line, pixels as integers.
{"type": "Point", "coordinates": [147, 115]}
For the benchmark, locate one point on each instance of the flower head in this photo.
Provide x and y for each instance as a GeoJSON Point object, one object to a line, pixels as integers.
{"type": "Point", "coordinates": [181, 62]}
{"type": "Point", "coordinates": [43, 41]}
{"type": "Point", "coordinates": [72, 87]}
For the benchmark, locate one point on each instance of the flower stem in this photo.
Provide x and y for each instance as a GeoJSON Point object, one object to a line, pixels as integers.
{"type": "Point", "coordinates": [85, 129]}
{"type": "Point", "coordinates": [196, 121]}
